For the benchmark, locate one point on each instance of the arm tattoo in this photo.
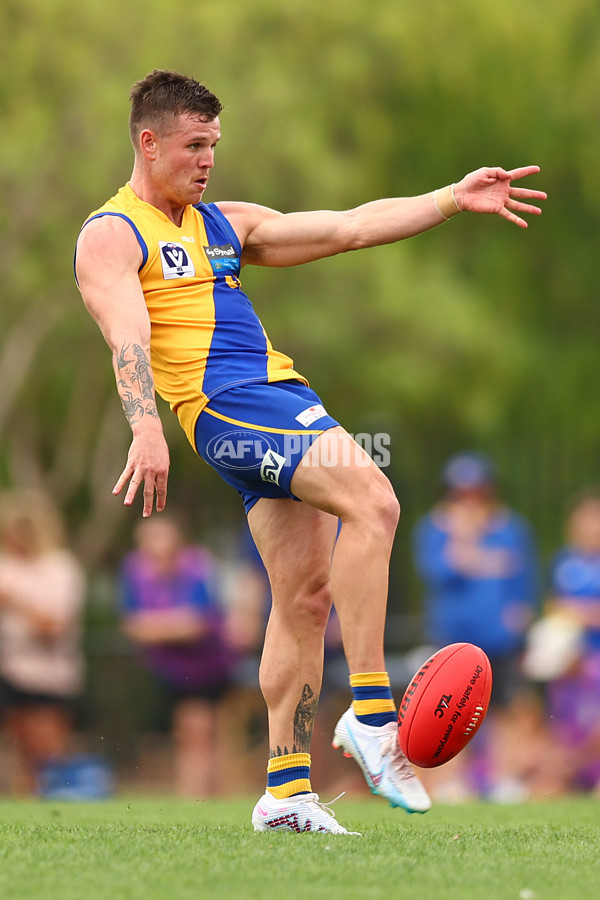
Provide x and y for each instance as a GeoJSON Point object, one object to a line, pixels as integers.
{"type": "Point", "coordinates": [132, 406]}
{"type": "Point", "coordinates": [134, 372]}
{"type": "Point", "coordinates": [121, 359]}
{"type": "Point", "coordinates": [142, 370]}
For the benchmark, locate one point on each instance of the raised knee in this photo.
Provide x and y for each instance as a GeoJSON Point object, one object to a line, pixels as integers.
{"type": "Point", "coordinates": [384, 510]}
{"type": "Point", "coordinates": [391, 511]}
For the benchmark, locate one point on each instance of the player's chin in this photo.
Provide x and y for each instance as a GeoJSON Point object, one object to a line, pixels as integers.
{"type": "Point", "coordinates": [198, 188]}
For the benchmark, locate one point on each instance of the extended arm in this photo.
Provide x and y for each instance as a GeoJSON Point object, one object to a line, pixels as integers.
{"type": "Point", "coordinates": [108, 258]}
{"type": "Point", "coordinates": [270, 238]}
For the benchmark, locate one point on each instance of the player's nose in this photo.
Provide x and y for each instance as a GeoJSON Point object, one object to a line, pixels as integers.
{"type": "Point", "coordinates": [207, 160]}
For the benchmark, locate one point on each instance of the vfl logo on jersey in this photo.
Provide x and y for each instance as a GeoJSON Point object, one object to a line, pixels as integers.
{"type": "Point", "coordinates": [175, 260]}
{"type": "Point", "coordinates": [271, 466]}
{"type": "Point", "coordinates": [223, 259]}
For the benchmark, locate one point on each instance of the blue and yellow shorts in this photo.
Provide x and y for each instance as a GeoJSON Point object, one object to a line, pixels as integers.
{"type": "Point", "coordinates": [255, 435]}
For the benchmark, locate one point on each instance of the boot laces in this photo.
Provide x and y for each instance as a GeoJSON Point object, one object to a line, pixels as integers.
{"type": "Point", "coordinates": [324, 805]}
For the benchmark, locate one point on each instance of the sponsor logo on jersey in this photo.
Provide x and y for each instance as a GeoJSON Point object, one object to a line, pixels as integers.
{"type": "Point", "coordinates": [223, 258]}
{"type": "Point", "coordinates": [175, 260]}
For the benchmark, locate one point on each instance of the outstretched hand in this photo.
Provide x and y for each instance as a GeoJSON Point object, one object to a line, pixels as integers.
{"type": "Point", "coordinates": [490, 190]}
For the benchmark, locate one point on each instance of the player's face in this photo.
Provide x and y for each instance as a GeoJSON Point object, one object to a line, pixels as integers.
{"type": "Point", "coordinates": [184, 158]}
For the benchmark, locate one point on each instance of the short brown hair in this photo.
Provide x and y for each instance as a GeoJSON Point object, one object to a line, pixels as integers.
{"type": "Point", "coordinates": [162, 95]}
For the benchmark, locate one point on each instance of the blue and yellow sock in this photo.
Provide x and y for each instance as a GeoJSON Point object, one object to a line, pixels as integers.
{"type": "Point", "coordinates": [372, 702]}
{"type": "Point", "coordinates": [288, 775]}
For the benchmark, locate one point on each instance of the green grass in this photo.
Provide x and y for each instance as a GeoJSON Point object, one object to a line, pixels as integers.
{"type": "Point", "coordinates": [173, 850]}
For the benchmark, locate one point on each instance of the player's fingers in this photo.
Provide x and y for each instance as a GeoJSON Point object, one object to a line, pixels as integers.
{"type": "Point", "coordinates": [132, 489]}
{"type": "Point", "coordinates": [523, 171]}
{"type": "Point", "coordinates": [516, 206]}
{"type": "Point", "coordinates": [123, 479]}
{"type": "Point", "coordinates": [511, 217]}
{"type": "Point", "coordinates": [161, 494]}
{"type": "Point", "coordinates": [495, 173]}
{"type": "Point", "coordinates": [148, 500]}
{"type": "Point", "coordinates": [527, 193]}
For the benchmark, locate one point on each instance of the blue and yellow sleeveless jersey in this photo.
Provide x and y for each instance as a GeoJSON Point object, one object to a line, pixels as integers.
{"type": "Point", "coordinates": [206, 336]}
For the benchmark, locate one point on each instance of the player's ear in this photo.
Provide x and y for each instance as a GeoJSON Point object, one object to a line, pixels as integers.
{"type": "Point", "coordinates": [147, 142]}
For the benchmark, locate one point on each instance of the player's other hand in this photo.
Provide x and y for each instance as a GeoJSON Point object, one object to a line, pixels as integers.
{"type": "Point", "coordinates": [148, 464]}
{"type": "Point", "coordinates": [491, 190]}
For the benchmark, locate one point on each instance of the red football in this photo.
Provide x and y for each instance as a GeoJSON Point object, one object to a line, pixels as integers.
{"type": "Point", "coordinates": [444, 704]}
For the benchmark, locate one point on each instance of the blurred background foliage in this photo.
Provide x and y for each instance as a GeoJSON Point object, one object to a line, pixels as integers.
{"type": "Point", "coordinates": [476, 335]}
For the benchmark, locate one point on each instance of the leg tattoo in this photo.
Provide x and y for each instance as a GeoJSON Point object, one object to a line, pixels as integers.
{"type": "Point", "coordinates": [304, 720]}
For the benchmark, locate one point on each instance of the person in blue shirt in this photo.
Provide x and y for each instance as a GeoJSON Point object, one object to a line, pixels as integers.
{"type": "Point", "coordinates": [574, 696]}
{"type": "Point", "coordinates": [478, 562]}
{"type": "Point", "coordinates": [575, 569]}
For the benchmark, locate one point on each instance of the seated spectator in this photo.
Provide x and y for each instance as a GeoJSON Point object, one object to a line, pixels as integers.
{"type": "Point", "coordinates": [171, 611]}
{"type": "Point", "coordinates": [42, 592]}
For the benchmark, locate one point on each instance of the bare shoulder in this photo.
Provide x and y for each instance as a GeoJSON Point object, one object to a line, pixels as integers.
{"type": "Point", "coordinates": [110, 239]}
{"type": "Point", "coordinates": [245, 217]}
{"type": "Point", "coordinates": [106, 231]}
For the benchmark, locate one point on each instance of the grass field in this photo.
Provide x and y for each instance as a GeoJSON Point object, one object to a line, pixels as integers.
{"type": "Point", "coordinates": [174, 850]}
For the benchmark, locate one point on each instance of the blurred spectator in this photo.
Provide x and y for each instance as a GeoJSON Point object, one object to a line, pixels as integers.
{"type": "Point", "coordinates": [477, 559]}
{"type": "Point", "coordinates": [42, 591]}
{"type": "Point", "coordinates": [171, 610]}
{"type": "Point", "coordinates": [573, 692]}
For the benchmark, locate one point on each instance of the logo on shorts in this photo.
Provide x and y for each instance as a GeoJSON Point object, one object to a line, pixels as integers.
{"type": "Point", "coordinates": [175, 260]}
{"type": "Point", "coordinates": [240, 449]}
{"type": "Point", "coordinates": [271, 466]}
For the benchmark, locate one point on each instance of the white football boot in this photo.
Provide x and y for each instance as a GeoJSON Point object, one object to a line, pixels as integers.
{"type": "Point", "coordinates": [388, 772]}
{"type": "Point", "coordinates": [304, 812]}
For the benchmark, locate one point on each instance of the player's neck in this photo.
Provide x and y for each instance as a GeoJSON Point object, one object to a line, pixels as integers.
{"type": "Point", "coordinates": [152, 195]}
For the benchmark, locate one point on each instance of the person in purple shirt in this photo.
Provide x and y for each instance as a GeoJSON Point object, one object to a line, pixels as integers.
{"type": "Point", "coordinates": [574, 697]}
{"type": "Point", "coordinates": [478, 563]}
{"type": "Point", "coordinates": [171, 611]}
